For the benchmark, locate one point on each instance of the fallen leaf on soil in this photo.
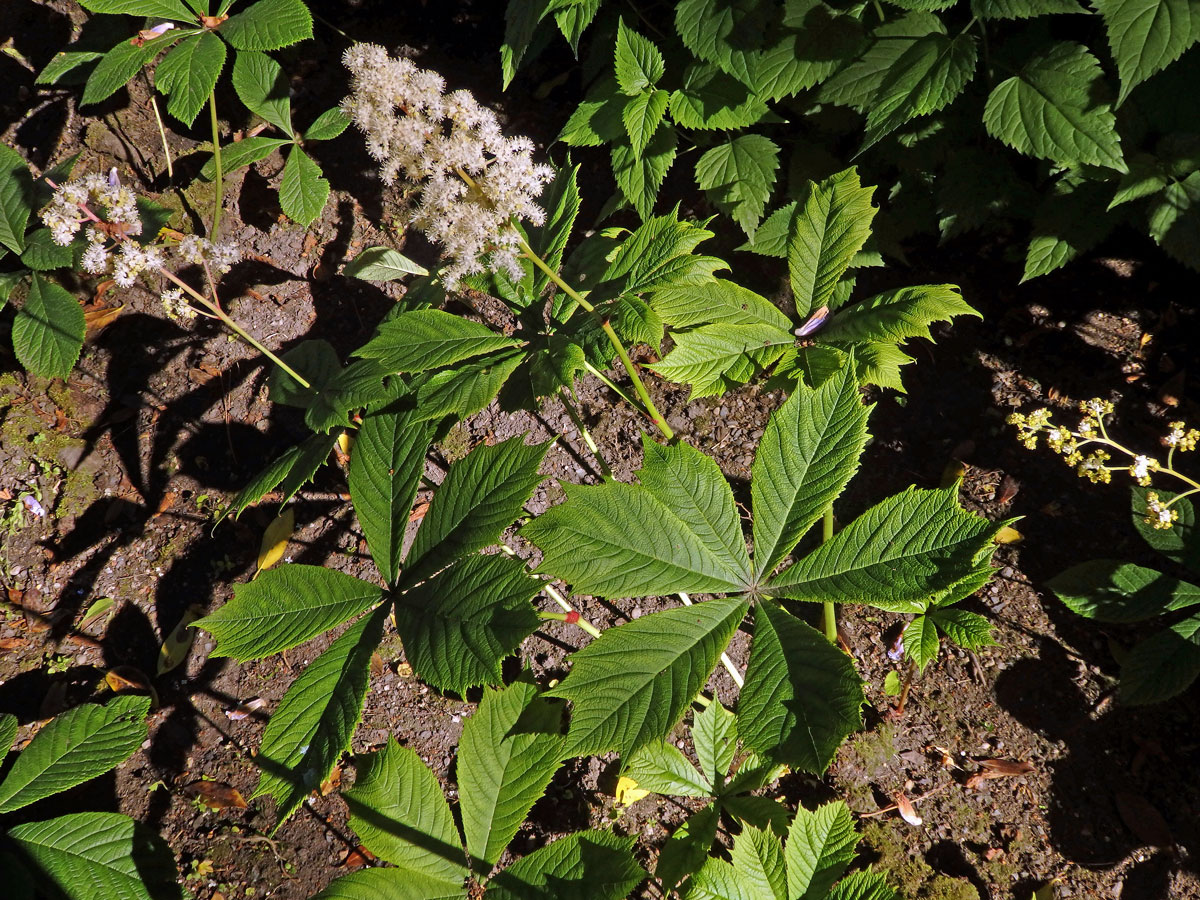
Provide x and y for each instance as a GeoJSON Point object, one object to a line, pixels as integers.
{"type": "Point", "coordinates": [357, 858]}
{"type": "Point", "coordinates": [628, 792]}
{"type": "Point", "coordinates": [907, 811]}
{"type": "Point", "coordinates": [242, 710]}
{"type": "Point", "coordinates": [130, 680]}
{"type": "Point", "coordinates": [275, 539]}
{"type": "Point", "coordinates": [333, 782]}
{"type": "Point", "coordinates": [993, 853]}
{"type": "Point", "coordinates": [96, 318]}
{"type": "Point", "coordinates": [1009, 487]}
{"type": "Point", "coordinates": [419, 511]}
{"type": "Point", "coordinates": [99, 608]}
{"type": "Point", "coordinates": [376, 664]}
{"type": "Point", "coordinates": [1143, 820]}
{"type": "Point", "coordinates": [11, 643]}
{"type": "Point", "coordinates": [174, 649]}
{"type": "Point", "coordinates": [999, 768]}
{"type": "Point", "coordinates": [167, 501]}
{"type": "Point", "coordinates": [215, 795]}
{"type": "Point", "coordinates": [1008, 535]}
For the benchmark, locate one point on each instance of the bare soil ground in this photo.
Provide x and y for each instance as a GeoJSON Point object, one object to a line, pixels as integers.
{"type": "Point", "coordinates": [160, 425]}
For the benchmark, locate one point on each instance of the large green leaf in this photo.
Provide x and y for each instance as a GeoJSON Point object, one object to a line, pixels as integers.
{"type": "Point", "coordinates": [1179, 543]}
{"type": "Point", "coordinates": [285, 607]}
{"type": "Point", "coordinates": [898, 556]}
{"type": "Point", "coordinates": [242, 153]}
{"type": "Point", "coordinates": [118, 66]}
{"type": "Point", "coordinates": [623, 540]}
{"type": "Point", "coordinates": [716, 301]}
{"type": "Point", "coordinates": [1173, 219]}
{"type": "Point", "coordinates": [188, 73]}
{"type": "Point", "coordinates": [293, 468]}
{"type": "Point", "coordinates": [807, 456]}
{"type": "Point", "coordinates": [820, 845]}
{"type": "Point", "coordinates": [262, 86]}
{"type": "Point", "coordinates": [825, 234]}
{"type": "Point", "coordinates": [897, 315]}
{"type": "Point", "coordinates": [738, 176]}
{"type": "Point", "coordinates": [428, 339]}
{"type": "Point", "coordinates": [1109, 590]}
{"type": "Point", "coordinates": [466, 388]}
{"type": "Point", "coordinates": [314, 721]}
{"type": "Point", "coordinates": [509, 751]}
{"type": "Point", "coordinates": [561, 201]}
{"type": "Point", "coordinates": [1147, 35]}
{"type": "Point", "coordinates": [268, 25]}
{"type": "Point", "coordinates": [386, 466]}
{"type": "Point", "coordinates": [632, 684]}
{"type": "Point", "coordinates": [8, 733]}
{"type": "Point", "coordinates": [587, 865]}
{"type": "Point", "coordinates": [302, 190]}
{"type": "Point", "coordinates": [757, 858]}
{"type": "Point", "coordinates": [637, 62]}
{"type": "Point", "coordinates": [313, 454]}
{"type": "Point", "coordinates": [857, 84]}
{"type": "Point", "coordinates": [716, 358]}
{"type": "Point", "coordinates": [399, 813]}
{"type": "Point", "coordinates": [99, 856]}
{"type": "Point", "coordinates": [802, 696]}
{"type": "Point", "coordinates": [75, 747]}
{"type": "Point", "coordinates": [1051, 109]}
{"type": "Point", "coordinates": [392, 884]}
{"type": "Point", "coordinates": [927, 77]}
{"type": "Point", "coordinates": [1163, 665]}
{"type": "Point", "coordinates": [1023, 9]}
{"type": "Point", "coordinates": [659, 254]}
{"type": "Point", "coordinates": [165, 9]}
{"type": "Point", "coordinates": [687, 847]}
{"type": "Point", "coordinates": [460, 624]}
{"type": "Point", "coordinates": [597, 120]}
{"type": "Point", "coordinates": [1071, 219]}
{"type": "Point", "coordinates": [42, 253]}
{"type": "Point", "coordinates": [48, 331]}
{"type": "Point", "coordinates": [661, 767]}
{"type": "Point", "coordinates": [16, 198]}
{"type": "Point", "coordinates": [714, 735]}
{"type": "Point", "coordinates": [482, 494]}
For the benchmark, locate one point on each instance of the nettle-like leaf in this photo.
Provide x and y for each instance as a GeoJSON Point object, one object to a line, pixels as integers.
{"type": "Point", "coordinates": [716, 358]}
{"type": "Point", "coordinates": [1051, 110]}
{"type": "Point", "coordinates": [99, 856]}
{"type": "Point", "coordinates": [16, 198]}
{"type": "Point", "coordinates": [314, 721]}
{"type": "Point", "coordinates": [588, 865]}
{"type": "Point", "coordinates": [709, 99]}
{"type": "Point", "coordinates": [399, 813]}
{"type": "Point", "coordinates": [738, 176]}
{"type": "Point", "coordinates": [1146, 36]}
{"type": "Point", "coordinates": [48, 331]}
{"type": "Point", "coordinates": [640, 175]}
{"type": "Point", "coordinates": [285, 607]}
{"type": "Point", "coordinates": [188, 73]}
{"type": "Point", "coordinates": [895, 316]}
{"type": "Point", "coordinates": [510, 749]}
{"type": "Point", "coordinates": [268, 25]}
{"type": "Point", "coordinates": [1174, 220]}
{"type": "Point", "coordinates": [75, 747]}
{"type": "Point", "coordinates": [856, 85]}
{"type": "Point", "coordinates": [637, 62]}
{"type": "Point", "coordinates": [426, 339]}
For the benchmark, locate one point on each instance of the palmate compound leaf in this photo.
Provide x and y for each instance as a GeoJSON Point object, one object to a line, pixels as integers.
{"type": "Point", "coordinates": [75, 747]}
{"type": "Point", "coordinates": [807, 456]}
{"type": "Point", "coordinates": [1050, 110]}
{"type": "Point", "coordinates": [631, 685]}
{"type": "Point", "coordinates": [825, 234]}
{"type": "Point", "coordinates": [714, 735]}
{"type": "Point", "coordinates": [1147, 35]}
{"type": "Point", "coordinates": [802, 696]}
{"type": "Point", "coordinates": [510, 749]}
{"type": "Point", "coordinates": [314, 721]}
{"type": "Point", "coordinates": [626, 540]}
{"type": "Point", "coordinates": [99, 856]}
{"type": "Point", "coordinates": [285, 607]}
{"type": "Point", "coordinates": [386, 466]}
{"type": "Point", "coordinates": [460, 624]}
{"type": "Point", "coordinates": [640, 175]}
{"type": "Point", "coordinates": [398, 811]}
{"type": "Point", "coordinates": [587, 865]}
{"type": "Point", "coordinates": [268, 25]}
{"type": "Point", "coordinates": [1109, 590]}
{"type": "Point", "coordinates": [428, 339]}
{"type": "Point", "coordinates": [302, 190]}
{"type": "Point", "coordinates": [482, 494]}
{"type": "Point", "coordinates": [898, 556]}
{"type": "Point", "coordinates": [716, 302]}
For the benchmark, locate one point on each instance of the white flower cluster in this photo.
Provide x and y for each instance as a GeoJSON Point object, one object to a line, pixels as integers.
{"type": "Point", "coordinates": [63, 215]}
{"type": "Point", "coordinates": [474, 182]}
{"type": "Point", "coordinates": [176, 306]}
{"type": "Point", "coordinates": [194, 249]}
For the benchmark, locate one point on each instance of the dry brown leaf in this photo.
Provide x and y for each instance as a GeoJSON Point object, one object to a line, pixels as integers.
{"type": "Point", "coordinates": [130, 680]}
{"type": "Point", "coordinates": [376, 664]}
{"type": "Point", "coordinates": [999, 768]}
{"type": "Point", "coordinates": [333, 782]}
{"type": "Point", "coordinates": [167, 501]}
{"type": "Point", "coordinates": [357, 858]}
{"type": "Point", "coordinates": [98, 317]}
{"type": "Point", "coordinates": [1009, 487]}
{"type": "Point", "coordinates": [12, 643]}
{"type": "Point", "coordinates": [1143, 819]}
{"type": "Point", "coordinates": [242, 710]}
{"type": "Point", "coordinates": [907, 811]}
{"type": "Point", "coordinates": [1008, 535]}
{"type": "Point", "coordinates": [215, 794]}
{"type": "Point", "coordinates": [419, 511]}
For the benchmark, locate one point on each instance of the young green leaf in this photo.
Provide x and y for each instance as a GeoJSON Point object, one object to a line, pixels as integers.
{"type": "Point", "coordinates": [820, 844]}
{"type": "Point", "coordinates": [807, 456]}
{"type": "Point", "coordinates": [1163, 665]}
{"type": "Point", "coordinates": [642, 115]}
{"type": "Point", "coordinates": [327, 125]}
{"type": "Point", "coordinates": [638, 63]}
{"type": "Point", "coordinates": [1050, 110]}
{"type": "Point", "coordinates": [16, 198]}
{"type": "Point", "coordinates": [897, 315]}
{"type": "Point", "coordinates": [897, 556]}
{"type": "Point", "coordinates": [188, 73]}
{"type": "Point", "coordinates": [75, 747]}
{"type": "Point", "coordinates": [802, 696]}
{"type": "Point", "coordinates": [587, 865]}
{"type": "Point", "coordinates": [262, 86]}
{"type": "Point", "coordinates": [285, 607]}
{"type": "Point", "coordinates": [302, 190]}
{"type": "Point", "coordinates": [632, 684]}
{"type": "Point", "coordinates": [510, 749]}
{"type": "Point", "coordinates": [687, 848]}
{"type": "Point", "coordinates": [314, 721]}
{"type": "Point", "coordinates": [99, 856]}
{"type": "Point", "coordinates": [714, 734]}
{"type": "Point", "coordinates": [738, 176]}
{"type": "Point", "coordinates": [966, 629]}
{"type": "Point", "coordinates": [460, 624]}
{"type": "Point", "coordinates": [1146, 36]}
{"type": "Point", "coordinates": [48, 331]}
{"type": "Point", "coordinates": [382, 264]}
{"type": "Point", "coordinates": [482, 494]}
{"type": "Point", "coordinates": [268, 25]}
{"type": "Point", "coordinates": [662, 768]}
{"type": "Point", "coordinates": [921, 641]}
{"type": "Point", "coordinates": [716, 358]}
{"type": "Point", "coordinates": [640, 175]}
{"type": "Point", "coordinates": [399, 813]}
{"type": "Point", "coordinates": [825, 234]}
{"type": "Point", "coordinates": [385, 471]}
{"type": "Point", "coordinates": [428, 339]}
{"type": "Point", "coordinates": [716, 301]}
{"type": "Point", "coordinates": [1109, 590]}
{"type": "Point", "coordinates": [392, 884]}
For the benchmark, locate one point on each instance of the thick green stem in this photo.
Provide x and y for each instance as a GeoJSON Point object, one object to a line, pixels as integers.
{"type": "Point", "coordinates": [639, 388]}
{"type": "Point", "coordinates": [830, 612]}
{"type": "Point", "coordinates": [220, 180]}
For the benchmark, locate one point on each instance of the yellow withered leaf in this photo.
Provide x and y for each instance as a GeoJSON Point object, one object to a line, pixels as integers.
{"type": "Point", "coordinates": [1008, 535]}
{"type": "Point", "coordinates": [953, 473]}
{"type": "Point", "coordinates": [174, 649]}
{"type": "Point", "coordinates": [275, 539]}
{"type": "Point", "coordinates": [345, 442]}
{"type": "Point", "coordinates": [628, 791]}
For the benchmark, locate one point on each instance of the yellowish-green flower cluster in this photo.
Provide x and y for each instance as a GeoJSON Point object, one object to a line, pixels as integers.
{"type": "Point", "coordinates": [1093, 464]}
